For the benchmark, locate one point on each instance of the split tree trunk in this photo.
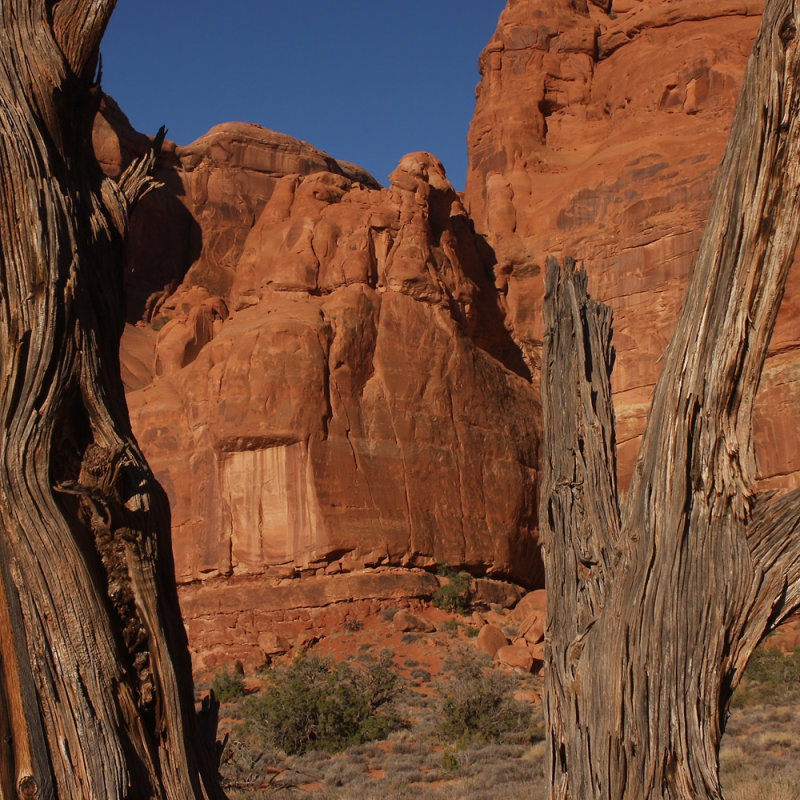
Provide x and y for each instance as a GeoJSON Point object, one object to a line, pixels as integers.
{"type": "Point", "coordinates": [95, 682]}
{"type": "Point", "coordinates": [653, 611]}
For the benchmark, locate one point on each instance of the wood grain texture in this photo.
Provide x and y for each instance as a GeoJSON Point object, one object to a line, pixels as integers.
{"type": "Point", "coordinates": [698, 568]}
{"type": "Point", "coordinates": [579, 515]}
{"type": "Point", "coordinates": [95, 679]}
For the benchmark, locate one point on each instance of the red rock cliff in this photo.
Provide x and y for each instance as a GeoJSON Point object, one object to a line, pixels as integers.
{"type": "Point", "coordinates": [326, 373]}
{"type": "Point", "coordinates": [597, 135]}
{"type": "Point", "coordinates": [330, 384]}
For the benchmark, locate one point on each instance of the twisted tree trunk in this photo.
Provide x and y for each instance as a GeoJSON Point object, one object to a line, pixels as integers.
{"type": "Point", "coordinates": [95, 681]}
{"type": "Point", "coordinates": [653, 611]}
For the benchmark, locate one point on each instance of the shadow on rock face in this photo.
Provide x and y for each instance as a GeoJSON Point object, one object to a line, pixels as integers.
{"type": "Point", "coordinates": [164, 238]}
{"type": "Point", "coordinates": [163, 242]}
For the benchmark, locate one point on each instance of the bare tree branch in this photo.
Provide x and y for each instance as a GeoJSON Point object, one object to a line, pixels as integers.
{"type": "Point", "coordinates": [78, 27]}
{"type": "Point", "coordinates": [774, 539]}
{"type": "Point", "coordinates": [137, 180]}
{"type": "Point", "coordinates": [578, 512]}
{"type": "Point", "coordinates": [578, 481]}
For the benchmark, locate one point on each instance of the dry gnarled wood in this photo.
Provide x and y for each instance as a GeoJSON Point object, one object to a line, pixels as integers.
{"type": "Point", "coordinates": [95, 681]}
{"type": "Point", "coordinates": [653, 613]}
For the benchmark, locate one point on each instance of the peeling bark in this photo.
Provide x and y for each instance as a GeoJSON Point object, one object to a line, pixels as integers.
{"type": "Point", "coordinates": [95, 679]}
{"type": "Point", "coordinates": [653, 613]}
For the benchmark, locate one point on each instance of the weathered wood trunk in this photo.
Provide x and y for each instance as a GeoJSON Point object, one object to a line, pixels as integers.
{"type": "Point", "coordinates": [654, 610]}
{"type": "Point", "coordinates": [95, 682]}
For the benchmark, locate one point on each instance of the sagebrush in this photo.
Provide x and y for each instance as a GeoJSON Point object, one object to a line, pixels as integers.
{"type": "Point", "coordinates": [477, 703]}
{"type": "Point", "coordinates": [316, 704]}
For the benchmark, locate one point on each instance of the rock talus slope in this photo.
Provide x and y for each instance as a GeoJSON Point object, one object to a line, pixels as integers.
{"type": "Point", "coordinates": [597, 135]}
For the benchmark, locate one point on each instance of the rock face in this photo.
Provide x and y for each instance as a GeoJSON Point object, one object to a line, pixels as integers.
{"type": "Point", "coordinates": [331, 383]}
{"type": "Point", "coordinates": [490, 639]}
{"type": "Point", "coordinates": [249, 617]}
{"type": "Point", "coordinates": [328, 375]}
{"type": "Point", "coordinates": [597, 135]}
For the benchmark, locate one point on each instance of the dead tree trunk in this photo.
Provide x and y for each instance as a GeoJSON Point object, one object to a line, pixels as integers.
{"type": "Point", "coordinates": [95, 682]}
{"type": "Point", "coordinates": [653, 611]}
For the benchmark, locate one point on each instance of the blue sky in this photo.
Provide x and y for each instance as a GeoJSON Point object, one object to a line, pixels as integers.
{"type": "Point", "coordinates": [364, 81]}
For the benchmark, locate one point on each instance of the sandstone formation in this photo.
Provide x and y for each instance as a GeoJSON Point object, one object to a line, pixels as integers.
{"type": "Point", "coordinates": [249, 617]}
{"type": "Point", "coordinates": [490, 639]}
{"type": "Point", "coordinates": [486, 592]}
{"type": "Point", "coordinates": [271, 644]}
{"type": "Point", "coordinates": [405, 622]}
{"type": "Point", "coordinates": [514, 655]}
{"type": "Point", "coordinates": [327, 375]}
{"type": "Point", "coordinates": [524, 622]}
{"type": "Point", "coordinates": [331, 385]}
{"type": "Point", "coordinates": [532, 630]}
{"type": "Point", "coordinates": [597, 135]}
{"type": "Point", "coordinates": [532, 604]}
{"type": "Point", "coordinates": [530, 615]}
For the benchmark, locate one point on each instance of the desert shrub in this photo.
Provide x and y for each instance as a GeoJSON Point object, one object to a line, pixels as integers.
{"type": "Point", "coordinates": [352, 624]}
{"type": "Point", "coordinates": [387, 614]}
{"type": "Point", "coordinates": [450, 762]}
{"type": "Point", "coordinates": [452, 626]}
{"type": "Point", "coordinates": [449, 626]}
{"type": "Point", "coordinates": [242, 766]}
{"type": "Point", "coordinates": [769, 678]}
{"type": "Point", "coordinates": [343, 773]}
{"type": "Point", "coordinates": [510, 630]}
{"type": "Point", "coordinates": [477, 704]}
{"type": "Point", "coordinates": [454, 595]}
{"type": "Point", "coordinates": [420, 674]}
{"type": "Point", "coordinates": [227, 685]}
{"type": "Point", "coordinates": [315, 704]}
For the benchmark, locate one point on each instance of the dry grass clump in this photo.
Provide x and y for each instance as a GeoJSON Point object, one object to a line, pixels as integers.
{"type": "Point", "coordinates": [483, 772]}
{"type": "Point", "coordinates": [767, 789]}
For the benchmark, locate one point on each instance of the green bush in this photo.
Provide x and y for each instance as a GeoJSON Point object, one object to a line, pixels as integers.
{"type": "Point", "coordinates": [450, 626]}
{"type": "Point", "coordinates": [770, 677]}
{"type": "Point", "coordinates": [454, 595]}
{"type": "Point", "coordinates": [315, 704]}
{"type": "Point", "coordinates": [227, 685]}
{"type": "Point", "coordinates": [450, 763]}
{"type": "Point", "coordinates": [477, 704]}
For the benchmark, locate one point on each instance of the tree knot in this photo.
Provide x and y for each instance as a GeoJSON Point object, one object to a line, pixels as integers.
{"type": "Point", "coordinates": [27, 789]}
{"type": "Point", "coordinates": [787, 32]}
